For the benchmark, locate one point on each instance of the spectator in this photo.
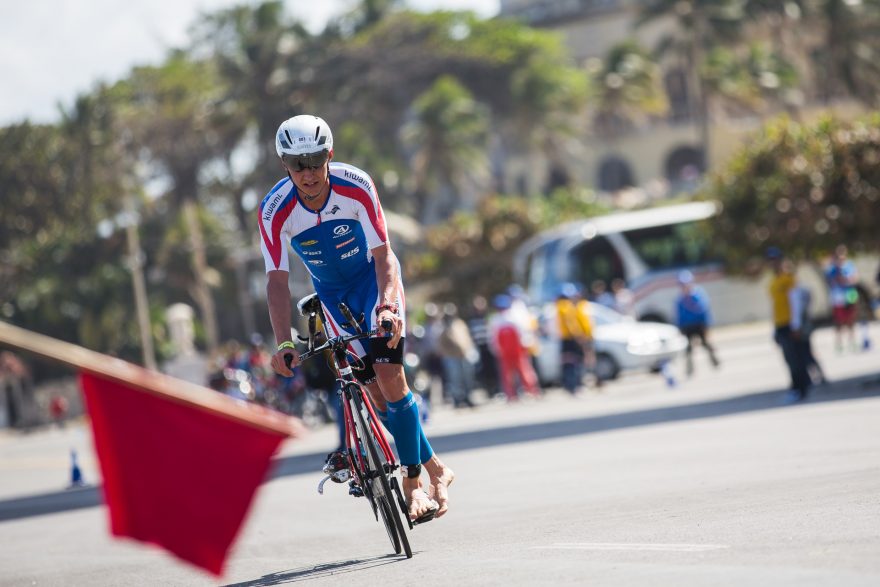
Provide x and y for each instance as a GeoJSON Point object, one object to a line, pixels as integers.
{"type": "Point", "coordinates": [693, 318]}
{"type": "Point", "coordinates": [799, 299]}
{"type": "Point", "coordinates": [601, 295]}
{"type": "Point", "coordinates": [780, 287]}
{"type": "Point", "coordinates": [842, 278]}
{"type": "Point", "coordinates": [430, 355]}
{"type": "Point", "coordinates": [17, 383]}
{"type": "Point", "coordinates": [527, 323]}
{"type": "Point", "coordinates": [624, 301]}
{"type": "Point", "coordinates": [487, 369]}
{"type": "Point", "coordinates": [459, 354]}
{"type": "Point", "coordinates": [575, 336]}
{"type": "Point", "coordinates": [514, 359]}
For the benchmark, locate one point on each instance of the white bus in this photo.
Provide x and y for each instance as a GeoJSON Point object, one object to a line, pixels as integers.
{"type": "Point", "coordinates": [647, 249]}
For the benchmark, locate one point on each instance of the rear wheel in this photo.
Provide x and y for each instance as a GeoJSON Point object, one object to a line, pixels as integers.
{"type": "Point", "coordinates": [378, 474]}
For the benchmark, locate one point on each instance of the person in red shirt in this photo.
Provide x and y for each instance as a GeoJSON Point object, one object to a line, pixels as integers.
{"type": "Point", "coordinates": [513, 358]}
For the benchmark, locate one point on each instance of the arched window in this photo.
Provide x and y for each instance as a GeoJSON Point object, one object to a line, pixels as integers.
{"type": "Point", "coordinates": [684, 167]}
{"type": "Point", "coordinates": [615, 174]}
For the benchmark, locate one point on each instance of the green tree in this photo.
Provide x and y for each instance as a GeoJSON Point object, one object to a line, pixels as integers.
{"type": "Point", "coordinates": [700, 25]}
{"type": "Point", "coordinates": [627, 88]}
{"type": "Point", "coordinates": [476, 248]}
{"type": "Point", "coordinates": [803, 188]}
{"type": "Point", "coordinates": [750, 78]}
{"type": "Point", "coordinates": [849, 57]}
{"type": "Point", "coordinates": [171, 112]}
{"type": "Point", "coordinates": [260, 55]}
{"type": "Point", "coordinates": [64, 267]}
{"type": "Point", "coordinates": [448, 135]}
{"type": "Point", "coordinates": [524, 76]}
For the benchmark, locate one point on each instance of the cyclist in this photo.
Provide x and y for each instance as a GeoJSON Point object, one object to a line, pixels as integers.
{"type": "Point", "coordinates": [331, 215]}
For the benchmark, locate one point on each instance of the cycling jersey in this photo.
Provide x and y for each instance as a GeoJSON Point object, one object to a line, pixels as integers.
{"type": "Point", "coordinates": [334, 242]}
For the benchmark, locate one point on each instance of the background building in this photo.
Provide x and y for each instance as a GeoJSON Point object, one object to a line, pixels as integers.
{"type": "Point", "coordinates": [661, 155]}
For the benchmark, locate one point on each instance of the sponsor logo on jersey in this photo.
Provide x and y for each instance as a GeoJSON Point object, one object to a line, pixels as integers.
{"type": "Point", "coordinates": [309, 243]}
{"type": "Point", "coordinates": [316, 262]}
{"type": "Point", "coordinates": [356, 178]}
{"type": "Point", "coordinates": [351, 253]}
{"type": "Point", "coordinates": [332, 210]}
{"type": "Point", "coordinates": [342, 244]}
{"type": "Point", "coordinates": [312, 253]}
{"type": "Point", "coordinates": [341, 230]}
{"type": "Point", "coordinates": [270, 207]}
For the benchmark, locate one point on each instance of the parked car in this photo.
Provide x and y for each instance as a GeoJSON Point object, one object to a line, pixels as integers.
{"type": "Point", "coordinates": [621, 342]}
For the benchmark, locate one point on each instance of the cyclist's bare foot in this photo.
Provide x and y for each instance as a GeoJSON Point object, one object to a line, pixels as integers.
{"type": "Point", "coordinates": [420, 505]}
{"type": "Point", "coordinates": [441, 478]}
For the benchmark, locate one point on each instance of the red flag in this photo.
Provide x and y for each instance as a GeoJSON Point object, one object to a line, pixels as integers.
{"type": "Point", "coordinates": [180, 462]}
{"type": "Point", "coordinates": [175, 475]}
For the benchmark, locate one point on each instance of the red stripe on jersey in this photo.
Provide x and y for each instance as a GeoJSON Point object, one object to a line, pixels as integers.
{"type": "Point", "coordinates": [374, 210]}
{"type": "Point", "coordinates": [275, 246]}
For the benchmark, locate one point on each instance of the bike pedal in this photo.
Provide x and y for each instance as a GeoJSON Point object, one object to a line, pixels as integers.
{"type": "Point", "coordinates": [355, 490]}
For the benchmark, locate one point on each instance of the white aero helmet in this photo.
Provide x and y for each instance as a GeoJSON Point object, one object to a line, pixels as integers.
{"type": "Point", "coordinates": [303, 135]}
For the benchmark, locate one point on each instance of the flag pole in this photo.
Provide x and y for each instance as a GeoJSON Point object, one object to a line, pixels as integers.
{"type": "Point", "coordinates": [136, 263]}
{"type": "Point", "coordinates": [148, 381]}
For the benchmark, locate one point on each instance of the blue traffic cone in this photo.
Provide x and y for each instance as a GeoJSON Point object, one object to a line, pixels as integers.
{"type": "Point", "coordinates": [866, 338]}
{"type": "Point", "coordinates": [668, 375]}
{"type": "Point", "coordinates": [76, 476]}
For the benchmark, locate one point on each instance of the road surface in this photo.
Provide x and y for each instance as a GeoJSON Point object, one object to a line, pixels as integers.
{"type": "Point", "coordinates": [713, 482]}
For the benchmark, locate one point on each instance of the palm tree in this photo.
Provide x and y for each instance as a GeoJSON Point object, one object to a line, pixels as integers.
{"type": "Point", "coordinates": [255, 49]}
{"type": "Point", "coordinates": [750, 78]}
{"type": "Point", "coordinates": [170, 112]}
{"type": "Point", "coordinates": [850, 58]}
{"type": "Point", "coordinates": [700, 25]}
{"type": "Point", "coordinates": [626, 89]}
{"type": "Point", "coordinates": [447, 134]}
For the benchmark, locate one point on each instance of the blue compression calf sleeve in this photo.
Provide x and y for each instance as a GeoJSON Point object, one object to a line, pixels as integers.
{"type": "Point", "coordinates": [405, 425]}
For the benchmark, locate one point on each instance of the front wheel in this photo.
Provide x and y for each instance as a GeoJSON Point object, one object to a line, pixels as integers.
{"type": "Point", "coordinates": [378, 474]}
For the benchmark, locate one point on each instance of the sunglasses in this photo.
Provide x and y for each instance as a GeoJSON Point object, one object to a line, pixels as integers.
{"type": "Point", "coordinates": [307, 161]}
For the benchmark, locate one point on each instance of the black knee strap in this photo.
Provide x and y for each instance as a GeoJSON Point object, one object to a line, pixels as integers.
{"type": "Point", "coordinates": [412, 471]}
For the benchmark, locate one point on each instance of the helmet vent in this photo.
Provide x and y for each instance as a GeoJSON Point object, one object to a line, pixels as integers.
{"type": "Point", "coordinates": [317, 132]}
{"type": "Point", "coordinates": [288, 136]}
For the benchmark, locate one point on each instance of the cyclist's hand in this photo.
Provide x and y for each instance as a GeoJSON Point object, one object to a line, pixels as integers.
{"type": "Point", "coordinates": [280, 362]}
{"type": "Point", "coordinates": [396, 327]}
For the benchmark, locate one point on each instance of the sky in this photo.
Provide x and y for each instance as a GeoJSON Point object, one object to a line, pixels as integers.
{"type": "Point", "coordinates": [52, 50]}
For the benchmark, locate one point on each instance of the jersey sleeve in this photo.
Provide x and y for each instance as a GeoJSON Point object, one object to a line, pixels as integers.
{"type": "Point", "coordinates": [274, 210]}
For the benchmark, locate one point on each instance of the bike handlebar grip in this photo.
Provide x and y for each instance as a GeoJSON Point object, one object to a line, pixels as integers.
{"type": "Point", "coordinates": [387, 326]}
{"type": "Point", "coordinates": [288, 359]}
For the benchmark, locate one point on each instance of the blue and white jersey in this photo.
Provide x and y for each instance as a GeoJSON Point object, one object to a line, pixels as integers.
{"type": "Point", "coordinates": [333, 242]}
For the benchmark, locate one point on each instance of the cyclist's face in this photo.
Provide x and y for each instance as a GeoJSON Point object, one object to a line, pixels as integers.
{"type": "Point", "coordinates": [311, 182]}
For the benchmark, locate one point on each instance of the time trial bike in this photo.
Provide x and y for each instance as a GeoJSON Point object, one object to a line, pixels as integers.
{"type": "Point", "coordinates": [369, 464]}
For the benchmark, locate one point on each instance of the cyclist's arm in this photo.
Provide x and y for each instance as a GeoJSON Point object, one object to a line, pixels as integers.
{"type": "Point", "coordinates": [387, 279]}
{"type": "Point", "coordinates": [278, 297]}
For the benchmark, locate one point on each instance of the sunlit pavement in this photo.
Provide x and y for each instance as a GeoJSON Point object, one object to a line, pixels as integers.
{"type": "Point", "coordinates": [714, 480]}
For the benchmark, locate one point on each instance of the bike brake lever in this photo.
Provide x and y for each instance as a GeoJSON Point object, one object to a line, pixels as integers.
{"type": "Point", "coordinates": [321, 484]}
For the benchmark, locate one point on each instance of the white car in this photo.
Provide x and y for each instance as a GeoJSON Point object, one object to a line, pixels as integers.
{"type": "Point", "coordinates": [622, 344]}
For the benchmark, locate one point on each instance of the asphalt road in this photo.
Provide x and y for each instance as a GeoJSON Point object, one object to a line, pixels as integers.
{"type": "Point", "coordinates": [713, 482]}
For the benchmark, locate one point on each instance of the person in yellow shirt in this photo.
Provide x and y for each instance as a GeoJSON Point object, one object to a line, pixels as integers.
{"type": "Point", "coordinates": [575, 336]}
{"type": "Point", "coordinates": [781, 286]}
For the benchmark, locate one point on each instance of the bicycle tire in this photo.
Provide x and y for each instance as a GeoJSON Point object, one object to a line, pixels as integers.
{"type": "Point", "coordinates": [381, 471]}
{"type": "Point", "coordinates": [372, 480]}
